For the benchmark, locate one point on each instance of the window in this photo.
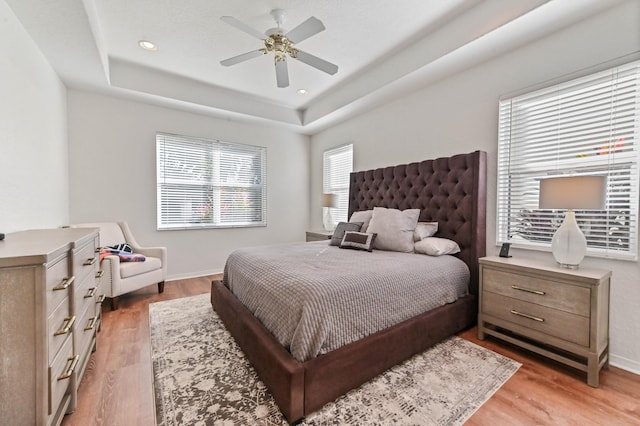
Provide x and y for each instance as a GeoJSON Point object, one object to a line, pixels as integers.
{"type": "Point", "coordinates": [337, 164]}
{"type": "Point", "coordinates": [209, 184]}
{"type": "Point", "coordinates": [586, 126]}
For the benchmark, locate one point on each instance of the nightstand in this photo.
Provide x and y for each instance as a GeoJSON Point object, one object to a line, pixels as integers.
{"type": "Point", "coordinates": [560, 313]}
{"type": "Point", "coordinates": [320, 235]}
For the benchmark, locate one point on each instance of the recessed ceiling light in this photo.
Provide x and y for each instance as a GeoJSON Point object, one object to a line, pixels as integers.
{"type": "Point", "coordinates": [302, 91]}
{"type": "Point", "coordinates": [148, 45]}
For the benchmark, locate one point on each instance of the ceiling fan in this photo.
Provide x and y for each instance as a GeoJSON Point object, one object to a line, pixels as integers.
{"type": "Point", "coordinates": [282, 45]}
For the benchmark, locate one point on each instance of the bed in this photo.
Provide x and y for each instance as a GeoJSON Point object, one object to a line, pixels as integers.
{"type": "Point", "coordinates": [448, 190]}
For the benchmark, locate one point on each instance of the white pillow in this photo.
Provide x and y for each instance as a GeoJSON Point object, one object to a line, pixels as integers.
{"type": "Point", "coordinates": [424, 230]}
{"type": "Point", "coordinates": [362, 216]}
{"type": "Point", "coordinates": [436, 246]}
{"type": "Point", "coordinates": [394, 228]}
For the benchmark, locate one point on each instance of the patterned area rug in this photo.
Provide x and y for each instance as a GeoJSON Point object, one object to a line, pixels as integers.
{"type": "Point", "coordinates": [202, 377]}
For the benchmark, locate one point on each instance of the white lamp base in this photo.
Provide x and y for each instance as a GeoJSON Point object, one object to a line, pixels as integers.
{"type": "Point", "coordinates": [327, 219]}
{"type": "Point", "coordinates": [569, 244]}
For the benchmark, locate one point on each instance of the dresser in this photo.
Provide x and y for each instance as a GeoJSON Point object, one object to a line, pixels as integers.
{"type": "Point", "coordinates": [50, 293]}
{"type": "Point", "coordinates": [560, 313]}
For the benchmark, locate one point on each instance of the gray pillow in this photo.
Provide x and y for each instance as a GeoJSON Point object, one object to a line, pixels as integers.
{"type": "Point", "coordinates": [343, 227]}
{"type": "Point", "coordinates": [358, 241]}
{"type": "Point", "coordinates": [394, 227]}
{"type": "Point", "coordinates": [363, 216]}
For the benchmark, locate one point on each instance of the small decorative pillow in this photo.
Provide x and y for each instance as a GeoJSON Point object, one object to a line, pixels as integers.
{"type": "Point", "coordinates": [121, 247]}
{"type": "Point", "coordinates": [363, 216]}
{"type": "Point", "coordinates": [394, 228]}
{"type": "Point", "coordinates": [436, 246]}
{"type": "Point", "coordinates": [124, 256]}
{"type": "Point", "coordinates": [358, 241]}
{"type": "Point", "coordinates": [342, 227]}
{"type": "Point", "coordinates": [424, 230]}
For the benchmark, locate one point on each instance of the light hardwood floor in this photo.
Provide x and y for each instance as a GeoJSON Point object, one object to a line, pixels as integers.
{"type": "Point", "coordinates": [117, 386]}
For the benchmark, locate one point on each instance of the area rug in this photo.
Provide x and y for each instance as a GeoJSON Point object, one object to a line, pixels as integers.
{"type": "Point", "coordinates": [201, 377]}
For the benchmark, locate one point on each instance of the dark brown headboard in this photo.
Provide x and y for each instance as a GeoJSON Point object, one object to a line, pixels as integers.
{"type": "Point", "coordinates": [449, 190]}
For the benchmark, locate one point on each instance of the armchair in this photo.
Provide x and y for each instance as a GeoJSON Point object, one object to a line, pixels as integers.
{"type": "Point", "coordinates": [123, 277]}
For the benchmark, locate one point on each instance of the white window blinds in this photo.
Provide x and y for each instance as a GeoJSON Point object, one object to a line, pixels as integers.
{"type": "Point", "coordinates": [337, 165]}
{"type": "Point", "coordinates": [208, 183]}
{"type": "Point", "coordinates": [586, 126]}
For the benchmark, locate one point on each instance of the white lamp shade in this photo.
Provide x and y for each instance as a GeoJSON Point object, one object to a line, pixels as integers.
{"type": "Point", "coordinates": [573, 192]}
{"type": "Point", "coordinates": [569, 244]}
{"type": "Point", "coordinates": [329, 200]}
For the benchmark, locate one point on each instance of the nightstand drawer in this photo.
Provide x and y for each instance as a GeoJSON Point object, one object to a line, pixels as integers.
{"type": "Point", "coordinates": [552, 294]}
{"type": "Point", "coordinates": [560, 324]}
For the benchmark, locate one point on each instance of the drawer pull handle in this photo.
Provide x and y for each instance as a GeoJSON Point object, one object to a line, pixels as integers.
{"type": "Point", "coordinates": [514, 312]}
{"type": "Point", "coordinates": [100, 273]}
{"type": "Point", "coordinates": [91, 324]}
{"type": "Point", "coordinates": [90, 293]}
{"type": "Point", "coordinates": [69, 323]}
{"type": "Point", "coordinates": [528, 290]}
{"type": "Point", "coordinates": [64, 284]}
{"type": "Point", "coordinates": [100, 299]}
{"type": "Point", "coordinates": [90, 262]}
{"type": "Point", "coordinates": [72, 367]}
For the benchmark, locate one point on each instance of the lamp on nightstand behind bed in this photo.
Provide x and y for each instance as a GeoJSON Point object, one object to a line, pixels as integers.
{"type": "Point", "coordinates": [328, 202]}
{"type": "Point", "coordinates": [569, 244]}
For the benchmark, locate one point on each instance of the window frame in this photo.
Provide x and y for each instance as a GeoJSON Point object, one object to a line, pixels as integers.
{"type": "Point", "coordinates": [198, 178]}
{"type": "Point", "coordinates": [617, 154]}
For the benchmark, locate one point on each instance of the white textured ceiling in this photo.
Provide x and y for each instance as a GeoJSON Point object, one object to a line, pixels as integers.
{"type": "Point", "coordinates": [382, 48]}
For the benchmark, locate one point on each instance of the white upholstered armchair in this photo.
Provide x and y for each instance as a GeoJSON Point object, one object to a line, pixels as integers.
{"type": "Point", "coordinates": [123, 277]}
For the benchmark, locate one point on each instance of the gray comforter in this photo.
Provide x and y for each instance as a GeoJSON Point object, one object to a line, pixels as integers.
{"type": "Point", "coordinates": [315, 298]}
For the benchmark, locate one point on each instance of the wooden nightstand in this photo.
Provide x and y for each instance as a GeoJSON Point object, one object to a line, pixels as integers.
{"type": "Point", "coordinates": [560, 313]}
{"type": "Point", "coordinates": [320, 235]}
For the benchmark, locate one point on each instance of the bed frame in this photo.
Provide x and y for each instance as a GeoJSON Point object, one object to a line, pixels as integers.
{"type": "Point", "coordinates": [448, 190]}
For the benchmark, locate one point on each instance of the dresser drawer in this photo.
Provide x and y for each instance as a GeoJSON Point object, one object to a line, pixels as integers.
{"type": "Point", "coordinates": [86, 261]}
{"type": "Point", "coordinates": [60, 374]}
{"type": "Point", "coordinates": [552, 294]}
{"type": "Point", "coordinates": [85, 330]}
{"type": "Point", "coordinates": [59, 327]}
{"type": "Point", "coordinates": [84, 294]}
{"type": "Point", "coordinates": [563, 325]}
{"type": "Point", "coordinates": [59, 282]}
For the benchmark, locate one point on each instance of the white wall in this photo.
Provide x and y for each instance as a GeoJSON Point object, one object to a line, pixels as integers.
{"type": "Point", "coordinates": [460, 113]}
{"type": "Point", "coordinates": [113, 177]}
{"type": "Point", "coordinates": [33, 133]}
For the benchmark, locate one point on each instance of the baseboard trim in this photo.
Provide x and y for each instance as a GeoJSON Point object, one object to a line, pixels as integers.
{"type": "Point", "coordinates": [193, 275]}
{"type": "Point", "coordinates": [625, 363]}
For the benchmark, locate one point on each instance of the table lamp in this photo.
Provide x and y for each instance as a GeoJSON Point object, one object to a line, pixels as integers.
{"type": "Point", "coordinates": [329, 201]}
{"type": "Point", "coordinates": [569, 244]}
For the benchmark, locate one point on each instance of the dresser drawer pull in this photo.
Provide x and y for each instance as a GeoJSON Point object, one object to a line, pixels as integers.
{"type": "Point", "coordinates": [528, 290]}
{"type": "Point", "coordinates": [91, 324]}
{"type": "Point", "coordinates": [100, 273]}
{"type": "Point", "coordinates": [514, 312]}
{"type": "Point", "coordinates": [90, 262]}
{"type": "Point", "coordinates": [90, 293]}
{"type": "Point", "coordinates": [64, 284]}
{"type": "Point", "coordinates": [72, 367]}
{"type": "Point", "coordinates": [100, 299]}
{"type": "Point", "coordinates": [67, 327]}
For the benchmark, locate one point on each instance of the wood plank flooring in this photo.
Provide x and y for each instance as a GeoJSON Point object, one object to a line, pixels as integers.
{"type": "Point", "coordinates": [117, 386]}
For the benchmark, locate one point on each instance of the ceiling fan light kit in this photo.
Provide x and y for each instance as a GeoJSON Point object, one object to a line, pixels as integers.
{"type": "Point", "coordinates": [281, 44]}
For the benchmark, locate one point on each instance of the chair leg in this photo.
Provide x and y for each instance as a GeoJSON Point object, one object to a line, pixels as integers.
{"type": "Point", "coordinates": [114, 303]}
{"type": "Point", "coordinates": [161, 287]}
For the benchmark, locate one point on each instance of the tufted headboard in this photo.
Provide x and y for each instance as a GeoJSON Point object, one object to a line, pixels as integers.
{"type": "Point", "coordinates": [449, 190]}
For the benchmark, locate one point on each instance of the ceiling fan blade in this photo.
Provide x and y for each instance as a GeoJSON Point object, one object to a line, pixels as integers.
{"type": "Point", "coordinates": [241, 58]}
{"type": "Point", "coordinates": [282, 74]}
{"type": "Point", "coordinates": [316, 62]}
{"type": "Point", "coordinates": [305, 30]}
{"type": "Point", "coordinates": [243, 27]}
